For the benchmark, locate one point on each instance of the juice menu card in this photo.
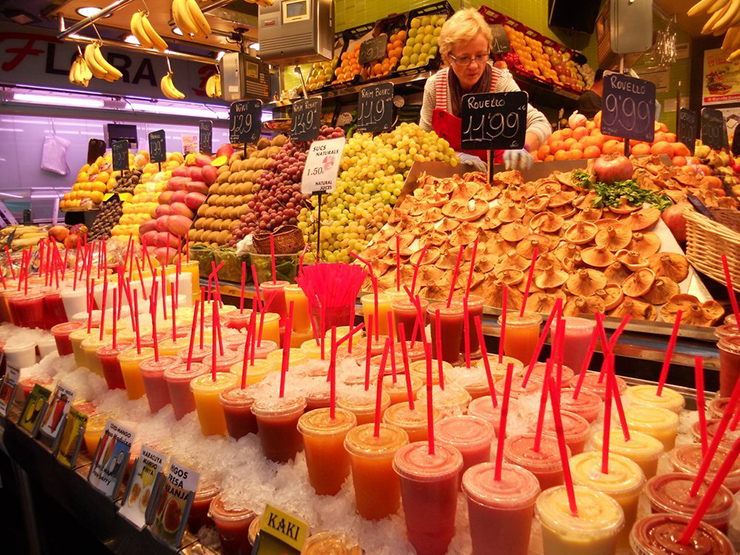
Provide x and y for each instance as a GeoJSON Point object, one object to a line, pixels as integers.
{"type": "Point", "coordinates": [73, 430]}
{"type": "Point", "coordinates": [30, 419]}
{"type": "Point", "coordinates": [280, 533]}
{"type": "Point", "coordinates": [141, 486]}
{"type": "Point", "coordinates": [59, 405]}
{"type": "Point", "coordinates": [173, 504]}
{"type": "Point", "coordinates": [8, 387]}
{"type": "Point", "coordinates": [111, 458]}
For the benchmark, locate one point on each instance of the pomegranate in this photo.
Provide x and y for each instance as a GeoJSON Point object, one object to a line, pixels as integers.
{"type": "Point", "coordinates": [674, 219]}
{"type": "Point", "coordinates": [615, 167]}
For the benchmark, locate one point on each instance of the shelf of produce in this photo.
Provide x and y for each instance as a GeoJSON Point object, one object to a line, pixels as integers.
{"type": "Point", "coordinates": [544, 94]}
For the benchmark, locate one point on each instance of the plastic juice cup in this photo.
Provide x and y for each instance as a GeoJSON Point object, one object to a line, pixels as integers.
{"type": "Point", "coordinates": [576, 338]}
{"type": "Point", "coordinates": [658, 535]}
{"type": "Point", "coordinates": [232, 526]}
{"type": "Point", "coordinates": [544, 464]}
{"type": "Point", "coordinates": [261, 350]}
{"type": "Point", "coordinates": [380, 320]}
{"type": "Point", "coordinates": [326, 458]}
{"type": "Point", "coordinates": [301, 315]}
{"type": "Point", "coordinates": [623, 483]}
{"type": "Point", "coordinates": [452, 400]}
{"type": "Point", "coordinates": [132, 378]}
{"type": "Point", "coordinates": [46, 346]}
{"type": "Point", "coordinates": [413, 422]}
{"type": "Point", "coordinates": [717, 406]}
{"type": "Point", "coordinates": [157, 392]}
{"type": "Point", "coordinates": [474, 380]}
{"type": "Point", "coordinates": [522, 335]}
{"type": "Point", "coordinates": [192, 268]}
{"type": "Point", "coordinates": [429, 485]}
{"type": "Point", "coordinates": [500, 511]}
{"type": "Point", "coordinates": [93, 432]}
{"type": "Point", "coordinates": [405, 314]}
{"type": "Point", "coordinates": [206, 392]}
{"type": "Point", "coordinates": [53, 308]}
{"type": "Point", "coordinates": [482, 407]}
{"type": "Point", "coordinates": [199, 355]}
{"type": "Point", "coordinates": [167, 347]}
{"type": "Point", "coordinates": [270, 326]}
{"type": "Point", "coordinates": [20, 354]}
{"type": "Point", "coordinates": [313, 349]}
{"type": "Point", "coordinates": [418, 369]}
{"type": "Point", "coordinates": [198, 516]}
{"type": "Point", "coordinates": [646, 395]}
{"type": "Point", "coordinates": [470, 435]}
{"type": "Point", "coordinates": [330, 543]}
{"type": "Point", "coordinates": [178, 380]}
{"type": "Point", "coordinates": [27, 310]}
{"type": "Point", "coordinates": [4, 309]}
{"type": "Point", "coordinates": [593, 532]}
{"type": "Point", "coordinates": [641, 448]}
{"type": "Point", "coordinates": [276, 291]}
{"type": "Point", "coordinates": [498, 369]}
{"type": "Point", "coordinates": [256, 372]}
{"type": "Point", "coordinates": [240, 320]}
{"type": "Point", "coordinates": [225, 361]}
{"type": "Point", "coordinates": [587, 404]}
{"type": "Point", "coordinates": [147, 341]}
{"type": "Point", "coordinates": [372, 464]}
{"type": "Point", "coordinates": [475, 309]}
{"type": "Point", "coordinates": [76, 338]}
{"type": "Point", "coordinates": [729, 364]}
{"type": "Point", "coordinates": [591, 383]}
{"type": "Point", "coordinates": [576, 429]}
{"type": "Point", "coordinates": [451, 326]}
{"type": "Point", "coordinates": [362, 404]}
{"type": "Point", "coordinates": [687, 458]}
{"type": "Point", "coordinates": [660, 423]}
{"type": "Point", "coordinates": [90, 346]}
{"type": "Point", "coordinates": [254, 531]}
{"type": "Point", "coordinates": [518, 389]}
{"type": "Point", "coordinates": [296, 357]}
{"type": "Point", "coordinates": [397, 390]}
{"type": "Point", "coordinates": [61, 336]}
{"type": "Point", "coordinates": [237, 406]}
{"type": "Point", "coordinates": [727, 439]}
{"type": "Point", "coordinates": [108, 358]}
{"type": "Point", "coordinates": [277, 421]}
{"type": "Point", "coordinates": [74, 300]}
{"type": "Point", "coordinates": [566, 373]}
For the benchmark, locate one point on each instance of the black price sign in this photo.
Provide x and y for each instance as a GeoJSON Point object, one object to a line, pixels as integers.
{"type": "Point", "coordinates": [688, 128]}
{"type": "Point", "coordinates": [373, 49]}
{"type": "Point", "coordinates": [245, 121]}
{"type": "Point", "coordinates": [500, 43]}
{"type": "Point", "coordinates": [304, 125]}
{"type": "Point", "coordinates": [628, 108]}
{"type": "Point", "coordinates": [157, 146]}
{"type": "Point", "coordinates": [120, 155]}
{"type": "Point", "coordinates": [713, 129]}
{"type": "Point", "coordinates": [375, 111]}
{"type": "Point", "coordinates": [494, 120]}
{"type": "Point", "coordinates": [205, 136]}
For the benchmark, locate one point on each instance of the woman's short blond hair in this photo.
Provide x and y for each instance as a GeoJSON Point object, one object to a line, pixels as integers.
{"type": "Point", "coordinates": [463, 26]}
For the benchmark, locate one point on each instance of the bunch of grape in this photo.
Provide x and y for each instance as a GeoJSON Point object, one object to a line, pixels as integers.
{"type": "Point", "coordinates": [372, 174]}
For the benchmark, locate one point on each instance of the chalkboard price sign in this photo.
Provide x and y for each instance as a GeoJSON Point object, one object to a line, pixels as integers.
{"type": "Point", "coordinates": [500, 42]}
{"type": "Point", "coordinates": [373, 49]}
{"type": "Point", "coordinates": [245, 121]}
{"type": "Point", "coordinates": [628, 108]}
{"type": "Point", "coordinates": [494, 120]}
{"type": "Point", "coordinates": [375, 112]}
{"type": "Point", "coordinates": [306, 120]}
{"type": "Point", "coordinates": [120, 155]}
{"type": "Point", "coordinates": [714, 129]}
{"type": "Point", "coordinates": [157, 146]}
{"type": "Point", "coordinates": [688, 128]}
{"type": "Point", "coordinates": [205, 136]}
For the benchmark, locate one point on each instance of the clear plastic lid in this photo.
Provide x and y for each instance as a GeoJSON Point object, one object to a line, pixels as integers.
{"type": "Point", "coordinates": [599, 516]}
{"type": "Point", "coordinates": [658, 534]}
{"type": "Point", "coordinates": [647, 395]}
{"type": "Point", "coordinates": [464, 432]}
{"type": "Point", "coordinates": [414, 462]}
{"type": "Point", "coordinates": [651, 418]}
{"type": "Point", "coordinates": [180, 372]}
{"type": "Point", "coordinates": [268, 407]}
{"type": "Point", "coordinates": [205, 382]}
{"type": "Point", "coordinates": [319, 422]}
{"type": "Point", "coordinates": [65, 328]}
{"type": "Point", "coordinates": [517, 487]}
{"type": "Point", "coordinates": [109, 351]}
{"type": "Point", "coordinates": [361, 441]}
{"type": "Point", "coordinates": [527, 320]}
{"type": "Point", "coordinates": [236, 397]}
{"type": "Point", "coordinates": [363, 403]}
{"type": "Point", "coordinates": [730, 344]}
{"type": "Point", "coordinates": [624, 476]}
{"type": "Point", "coordinates": [640, 447]}
{"type": "Point", "coordinates": [402, 416]}
{"type": "Point", "coordinates": [223, 510]}
{"type": "Point", "coordinates": [670, 493]}
{"type": "Point", "coordinates": [154, 367]}
{"type": "Point", "coordinates": [452, 311]}
{"type": "Point", "coordinates": [519, 449]}
{"type": "Point", "coordinates": [331, 543]}
{"type": "Point", "coordinates": [132, 355]}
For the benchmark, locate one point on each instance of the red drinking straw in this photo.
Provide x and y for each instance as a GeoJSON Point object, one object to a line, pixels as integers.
{"type": "Point", "coordinates": [245, 361]}
{"type": "Point", "coordinates": [541, 342]}
{"type": "Point", "coordinates": [187, 246]}
{"type": "Point", "coordinates": [272, 258]}
{"type": "Point", "coordinates": [502, 426]}
{"type": "Point", "coordinates": [611, 375]}
{"type": "Point", "coordinates": [613, 339]}
{"type": "Point", "coordinates": [407, 372]}
{"type": "Point", "coordinates": [416, 270]}
{"type": "Point", "coordinates": [115, 323]}
{"type": "Point", "coordinates": [543, 406]}
{"type": "Point", "coordinates": [91, 305]}
{"type": "Point", "coordinates": [351, 323]}
{"type": "Point", "coordinates": [607, 421]}
{"type": "Point", "coordinates": [217, 329]}
{"type": "Point", "coordinates": [669, 354]}
{"type": "Point", "coordinates": [253, 323]}
{"type": "Point", "coordinates": [504, 308]}
{"type": "Point", "coordinates": [286, 349]}
{"type": "Point", "coordinates": [153, 311]}
{"type": "Point", "coordinates": [454, 275]}
{"type": "Point", "coordinates": [486, 362]}
{"type": "Point", "coordinates": [141, 279]}
{"type": "Point", "coordinates": [563, 448]}
{"type": "Point", "coordinates": [213, 341]}
{"type": "Point", "coordinates": [466, 332]}
{"type": "Point", "coordinates": [430, 400]}
{"type": "Point", "coordinates": [730, 290]}
{"type": "Point", "coordinates": [192, 334]}
{"type": "Point", "coordinates": [12, 270]}
{"type": "Point", "coordinates": [472, 268]}
{"type": "Point", "coordinates": [438, 339]}
{"type": "Point", "coordinates": [174, 320]}
{"type": "Point", "coordinates": [256, 287]}
{"type": "Point", "coordinates": [379, 389]}
{"type": "Point", "coordinates": [586, 362]}
{"type": "Point", "coordinates": [202, 316]}
{"type": "Point", "coordinates": [398, 262]}
{"type": "Point", "coordinates": [560, 340]}
{"type": "Point", "coordinates": [136, 317]}
{"type": "Point", "coordinates": [700, 401]}
{"type": "Point", "coordinates": [393, 346]}
{"type": "Point", "coordinates": [333, 374]}
{"type": "Point", "coordinates": [102, 314]}
{"type": "Point", "coordinates": [529, 281]}
{"type": "Point", "coordinates": [244, 280]}
{"type": "Point", "coordinates": [368, 350]}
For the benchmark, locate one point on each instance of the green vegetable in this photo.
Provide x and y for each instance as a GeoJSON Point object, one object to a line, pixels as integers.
{"type": "Point", "coordinates": [611, 195]}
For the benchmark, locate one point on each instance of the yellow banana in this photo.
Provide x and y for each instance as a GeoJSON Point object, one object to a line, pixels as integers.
{"type": "Point", "coordinates": [72, 76]}
{"type": "Point", "coordinates": [169, 89]}
{"type": "Point", "coordinates": [137, 28]}
{"type": "Point", "coordinates": [213, 86]}
{"type": "Point", "coordinates": [712, 21]}
{"type": "Point", "coordinates": [219, 92]}
{"type": "Point", "coordinates": [97, 70]}
{"type": "Point", "coordinates": [700, 7]}
{"type": "Point", "coordinates": [85, 70]}
{"type": "Point", "coordinates": [204, 29]}
{"type": "Point", "coordinates": [183, 18]}
{"type": "Point", "coordinates": [728, 16]}
{"type": "Point", "coordinates": [157, 41]}
{"type": "Point", "coordinates": [718, 5]}
{"type": "Point", "coordinates": [111, 72]}
{"type": "Point", "coordinates": [732, 57]}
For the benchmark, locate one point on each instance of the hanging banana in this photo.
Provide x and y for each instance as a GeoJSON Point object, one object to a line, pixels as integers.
{"type": "Point", "coordinates": [724, 18]}
{"type": "Point", "coordinates": [99, 66]}
{"type": "Point", "coordinates": [190, 19]}
{"type": "Point", "coordinates": [153, 36]}
{"type": "Point", "coordinates": [169, 89]}
{"type": "Point", "coordinates": [137, 28]}
{"type": "Point", "coordinates": [213, 86]}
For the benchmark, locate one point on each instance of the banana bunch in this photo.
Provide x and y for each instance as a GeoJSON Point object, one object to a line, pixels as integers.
{"type": "Point", "coordinates": [79, 73]}
{"type": "Point", "coordinates": [98, 65]}
{"type": "Point", "coordinates": [213, 86]}
{"type": "Point", "coordinates": [25, 236]}
{"type": "Point", "coordinates": [724, 17]}
{"type": "Point", "coordinates": [190, 19]}
{"type": "Point", "coordinates": [142, 29]}
{"type": "Point", "coordinates": [169, 89]}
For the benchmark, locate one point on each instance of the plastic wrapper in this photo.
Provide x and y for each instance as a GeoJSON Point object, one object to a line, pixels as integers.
{"type": "Point", "coordinates": [204, 255]}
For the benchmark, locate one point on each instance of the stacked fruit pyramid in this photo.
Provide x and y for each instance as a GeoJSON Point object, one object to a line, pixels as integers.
{"type": "Point", "coordinates": [93, 181]}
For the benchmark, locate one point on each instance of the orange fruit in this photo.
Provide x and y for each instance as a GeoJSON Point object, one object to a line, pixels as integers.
{"type": "Point", "coordinates": [568, 143]}
{"type": "Point", "coordinates": [591, 152]}
{"type": "Point", "coordinates": [641, 149]}
{"type": "Point", "coordinates": [556, 146]}
{"type": "Point", "coordinates": [579, 133]}
{"type": "Point", "coordinates": [670, 137]}
{"type": "Point", "coordinates": [566, 132]}
{"type": "Point", "coordinates": [679, 160]}
{"type": "Point", "coordinates": [597, 119]}
{"type": "Point", "coordinates": [662, 147]}
{"type": "Point", "coordinates": [613, 146]}
{"type": "Point", "coordinates": [543, 151]}
{"type": "Point", "coordinates": [575, 154]}
{"type": "Point", "coordinates": [561, 155]}
{"type": "Point", "coordinates": [557, 136]}
{"type": "Point", "coordinates": [680, 149]}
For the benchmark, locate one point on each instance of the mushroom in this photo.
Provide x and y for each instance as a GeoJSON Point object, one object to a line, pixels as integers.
{"type": "Point", "coordinates": [446, 186]}
{"type": "Point", "coordinates": [561, 198]}
{"type": "Point", "coordinates": [540, 301]}
{"type": "Point", "coordinates": [490, 221]}
{"type": "Point", "coordinates": [432, 215]}
{"type": "Point", "coordinates": [537, 203]}
{"type": "Point", "coordinates": [624, 207]}
{"type": "Point", "coordinates": [485, 263]}
{"type": "Point", "coordinates": [548, 188]}
{"type": "Point", "coordinates": [437, 199]}
{"type": "Point", "coordinates": [612, 295]}
{"type": "Point", "coordinates": [527, 245]}
{"type": "Point", "coordinates": [433, 292]}
{"type": "Point", "coordinates": [514, 232]}
{"type": "Point", "coordinates": [430, 256]}
{"type": "Point", "coordinates": [498, 246]}
{"type": "Point", "coordinates": [551, 277]}
{"type": "Point", "coordinates": [464, 235]}
{"type": "Point", "coordinates": [434, 237]}
{"type": "Point", "coordinates": [670, 265]}
{"type": "Point", "coordinates": [510, 213]}
{"type": "Point", "coordinates": [586, 282]}
{"type": "Point", "coordinates": [547, 222]}
{"type": "Point", "coordinates": [693, 312]}
{"type": "Point", "coordinates": [662, 290]}
{"type": "Point", "coordinates": [588, 215]}
{"type": "Point", "coordinates": [639, 283]}
{"type": "Point", "coordinates": [638, 309]}
{"type": "Point", "coordinates": [448, 224]}
{"type": "Point", "coordinates": [581, 233]}
{"type": "Point", "coordinates": [430, 274]}
{"type": "Point", "coordinates": [586, 201]}
{"type": "Point", "coordinates": [510, 276]}
{"type": "Point", "coordinates": [632, 260]}
{"type": "Point", "coordinates": [375, 250]}
{"type": "Point", "coordinates": [603, 223]}
{"type": "Point", "coordinates": [566, 250]}
{"type": "Point", "coordinates": [566, 211]}
{"type": "Point", "coordinates": [465, 191]}
{"type": "Point", "coordinates": [614, 236]}
{"type": "Point", "coordinates": [642, 219]}
{"type": "Point", "coordinates": [472, 210]}
{"type": "Point", "coordinates": [404, 242]}
{"type": "Point", "coordinates": [487, 193]}
{"type": "Point", "coordinates": [547, 259]}
{"type": "Point", "coordinates": [646, 243]}
{"type": "Point", "coordinates": [513, 260]}
{"type": "Point", "coordinates": [564, 178]}
{"type": "Point", "coordinates": [400, 214]}
{"type": "Point", "coordinates": [576, 306]}
{"type": "Point", "coordinates": [598, 257]}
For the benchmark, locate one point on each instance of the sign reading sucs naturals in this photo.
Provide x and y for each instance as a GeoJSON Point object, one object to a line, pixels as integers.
{"type": "Point", "coordinates": [494, 120]}
{"type": "Point", "coordinates": [628, 108]}
{"type": "Point", "coordinates": [322, 166]}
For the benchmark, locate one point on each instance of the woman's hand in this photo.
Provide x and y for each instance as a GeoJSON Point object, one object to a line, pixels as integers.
{"type": "Point", "coordinates": [518, 159]}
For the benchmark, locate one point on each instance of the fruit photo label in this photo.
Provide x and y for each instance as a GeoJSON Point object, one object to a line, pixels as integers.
{"type": "Point", "coordinates": [141, 487]}
{"type": "Point", "coordinates": [157, 147]}
{"type": "Point", "coordinates": [34, 410]}
{"type": "Point", "coordinates": [628, 108]}
{"type": "Point", "coordinates": [111, 458]}
{"type": "Point", "coordinates": [205, 136]}
{"type": "Point", "coordinates": [59, 405]}
{"type": "Point", "coordinates": [688, 128]}
{"type": "Point", "coordinates": [306, 119]}
{"type": "Point", "coordinates": [73, 430]}
{"type": "Point", "coordinates": [494, 120]}
{"type": "Point", "coordinates": [322, 166]}
{"type": "Point", "coordinates": [172, 505]}
{"type": "Point", "coordinates": [713, 129]}
{"type": "Point", "coordinates": [500, 40]}
{"type": "Point", "coordinates": [373, 49]}
{"type": "Point", "coordinates": [245, 121]}
{"type": "Point", "coordinates": [120, 155]}
{"type": "Point", "coordinates": [375, 109]}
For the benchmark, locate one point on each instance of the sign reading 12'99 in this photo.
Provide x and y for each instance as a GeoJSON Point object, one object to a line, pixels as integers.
{"type": "Point", "coordinates": [494, 120]}
{"type": "Point", "coordinates": [628, 108]}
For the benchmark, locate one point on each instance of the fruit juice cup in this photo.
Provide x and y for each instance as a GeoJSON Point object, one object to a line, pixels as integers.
{"type": "Point", "coordinates": [45, 346]}
{"type": "Point", "coordinates": [298, 338]}
{"type": "Point", "coordinates": [277, 422]}
{"type": "Point", "coordinates": [717, 406]}
{"type": "Point", "coordinates": [588, 404]}
{"type": "Point", "coordinates": [270, 327]}
{"type": "Point", "coordinates": [624, 482]}
{"type": "Point", "coordinates": [178, 380]}
{"type": "Point", "coordinates": [451, 325]}
{"type": "Point", "coordinates": [482, 407]}
{"type": "Point", "coordinates": [522, 335]}
{"type": "Point", "coordinates": [330, 543]}
{"type": "Point", "coordinates": [206, 392]}
{"type": "Point", "coordinates": [593, 532]}
{"type": "Point", "coordinates": [4, 309]}
{"type": "Point", "coordinates": [240, 320]}
{"type": "Point", "coordinates": [405, 314]}
{"type": "Point", "coordinates": [108, 359]}
{"type": "Point", "coordinates": [93, 432]}
{"type": "Point", "coordinates": [232, 525]}
{"type": "Point", "coordinates": [641, 448]}
{"type": "Point", "coordinates": [380, 320]}
{"type": "Point", "coordinates": [669, 493]}
{"type": "Point", "coordinates": [296, 357]}
{"type": "Point", "coordinates": [261, 350]}
{"type": "Point", "coordinates": [453, 400]}
{"type": "Point", "coordinates": [237, 406]}
{"type": "Point", "coordinates": [429, 485]}
{"type": "Point", "coordinates": [191, 268]}
{"type": "Point", "coordinates": [418, 369]}
{"type": "Point", "coordinates": [167, 347]}
{"type": "Point", "coordinates": [301, 314]}
{"type": "Point", "coordinates": [225, 361]}
{"type": "Point", "coordinates": [61, 336]}
{"type": "Point", "coordinates": [90, 346]}
{"type": "Point", "coordinates": [359, 347]}
{"type": "Point", "coordinates": [576, 338]}
{"type": "Point", "coordinates": [27, 310]}
{"type": "Point", "coordinates": [500, 511]}
{"type": "Point", "coordinates": [658, 535]}
{"type": "Point", "coordinates": [199, 355]}
{"type": "Point", "coordinates": [362, 404]}
{"type": "Point", "coordinates": [53, 308]}
{"type": "Point", "coordinates": [20, 354]}
{"type": "Point", "coordinates": [184, 290]}
{"type": "Point", "coordinates": [729, 364]}
{"type": "Point", "coordinates": [646, 396]}
{"type": "Point", "coordinates": [687, 458]}
{"type": "Point", "coordinates": [255, 372]}
{"type": "Point", "coordinates": [254, 531]}
{"type": "Point", "coordinates": [157, 392]}
{"type": "Point", "coordinates": [575, 428]}
{"type": "Point", "coordinates": [591, 383]}
{"type": "Point", "coordinates": [413, 422]}
{"type": "Point", "coordinates": [660, 423]}
{"type": "Point", "coordinates": [518, 389]}
{"type": "Point", "coordinates": [397, 390]}
{"type": "Point", "coordinates": [147, 341]}
{"type": "Point", "coordinates": [544, 464]}
{"type": "Point", "coordinates": [470, 435]}
{"type": "Point", "coordinates": [498, 369]}
{"type": "Point", "coordinates": [76, 338]}
{"type": "Point", "coordinates": [326, 458]}
{"type": "Point", "coordinates": [727, 440]}
{"type": "Point", "coordinates": [132, 378]}
{"type": "Point", "coordinates": [475, 309]}
{"type": "Point", "coordinates": [276, 292]}
{"type": "Point", "coordinates": [474, 380]}
{"type": "Point", "coordinates": [372, 464]}
{"type": "Point", "coordinates": [198, 516]}
{"type": "Point", "coordinates": [74, 300]}
{"type": "Point", "coordinates": [566, 373]}
{"type": "Point", "coordinates": [313, 349]}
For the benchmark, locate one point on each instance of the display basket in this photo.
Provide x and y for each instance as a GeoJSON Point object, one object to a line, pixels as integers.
{"type": "Point", "coordinates": [351, 37]}
{"type": "Point", "coordinates": [707, 241]}
{"type": "Point", "coordinates": [389, 25]}
{"type": "Point", "coordinates": [729, 217]}
{"type": "Point", "coordinates": [288, 240]}
{"type": "Point", "coordinates": [439, 8]}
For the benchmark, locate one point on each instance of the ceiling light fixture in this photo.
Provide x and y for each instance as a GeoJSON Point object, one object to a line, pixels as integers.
{"type": "Point", "coordinates": [220, 55]}
{"type": "Point", "coordinates": [87, 11]}
{"type": "Point", "coordinates": [255, 46]}
{"type": "Point", "coordinates": [131, 39]}
{"type": "Point", "coordinates": [177, 31]}
{"type": "Point", "coordinates": [58, 100]}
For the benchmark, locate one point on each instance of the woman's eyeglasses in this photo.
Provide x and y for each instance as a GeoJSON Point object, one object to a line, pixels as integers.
{"type": "Point", "coordinates": [466, 61]}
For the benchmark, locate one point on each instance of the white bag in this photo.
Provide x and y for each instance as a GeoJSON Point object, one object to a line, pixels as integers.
{"type": "Point", "coordinates": [54, 155]}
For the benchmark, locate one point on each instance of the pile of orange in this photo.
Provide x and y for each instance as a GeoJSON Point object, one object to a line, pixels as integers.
{"type": "Point", "coordinates": [350, 65]}
{"type": "Point", "coordinates": [393, 54]}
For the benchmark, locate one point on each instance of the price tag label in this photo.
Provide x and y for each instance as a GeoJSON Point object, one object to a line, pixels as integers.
{"type": "Point", "coordinates": [205, 136]}
{"type": "Point", "coordinates": [8, 389]}
{"type": "Point", "coordinates": [494, 120]}
{"type": "Point", "coordinates": [500, 43]}
{"type": "Point", "coordinates": [713, 129]}
{"type": "Point", "coordinates": [628, 108]}
{"type": "Point", "coordinates": [108, 196]}
{"type": "Point", "coordinates": [280, 532]}
{"type": "Point", "coordinates": [306, 120]}
{"type": "Point", "coordinates": [110, 459]}
{"type": "Point", "coordinates": [373, 49]}
{"type": "Point", "coordinates": [157, 147]}
{"type": "Point", "coordinates": [322, 166]}
{"type": "Point", "coordinates": [120, 155]}
{"type": "Point", "coordinates": [375, 110]}
{"type": "Point", "coordinates": [688, 128]}
{"type": "Point", "coordinates": [245, 121]}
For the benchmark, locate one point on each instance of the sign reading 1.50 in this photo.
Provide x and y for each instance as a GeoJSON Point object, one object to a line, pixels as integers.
{"type": "Point", "coordinates": [628, 108]}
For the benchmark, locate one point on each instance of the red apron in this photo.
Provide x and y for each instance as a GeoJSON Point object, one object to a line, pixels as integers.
{"type": "Point", "coordinates": [448, 126]}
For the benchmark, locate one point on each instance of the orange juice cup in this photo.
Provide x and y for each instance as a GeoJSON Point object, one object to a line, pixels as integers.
{"type": "Point", "coordinates": [362, 405]}
{"type": "Point", "coordinates": [413, 422]}
{"type": "Point", "coordinates": [380, 320]}
{"type": "Point", "coordinates": [206, 392]}
{"type": "Point", "coordinates": [522, 335]}
{"type": "Point", "coordinates": [301, 315]}
{"type": "Point", "coordinates": [93, 432]}
{"type": "Point", "coordinates": [132, 378]}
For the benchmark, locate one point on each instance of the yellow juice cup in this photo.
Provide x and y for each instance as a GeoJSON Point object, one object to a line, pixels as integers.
{"type": "Point", "coordinates": [132, 378]}
{"type": "Point", "coordinates": [296, 357]}
{"type": "Point", "coordinates": [256, 372]}
{"type": "Point", "coordinates": [301, 316]}
{"type": "Point", "coordinates": [76, 338]}
{"type": "Point", "coordinates": [647, 396]}
{"type": "Point", "coordinates": [90, 346]}
{"type": "Point", "coordinates": [192, 268]}
{"type": "Point", "coordinates": [641, 448]}
{"type": "Point", "coordinates": [298, 338]}
{"type": "Point", "coordinates": [662, 424]}
{"type": "Point", "coordinates": [93, 432]}
{"type": "Point", "coordinates": [380, 320]}
{"type": "Point", "coordinates": [171, 348]}
{"type": "Point", "coordinates": [313, 349]}
{"type": "Point", "coordinates": [206, 392]}
{"type": "Point", "coordinates": [362, 404]}
{"type": "Point", "coordinates": [270, 327]}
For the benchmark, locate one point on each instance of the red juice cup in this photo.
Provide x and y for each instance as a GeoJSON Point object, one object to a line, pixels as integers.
{"type": "Point", "coordinates": [470, 435]}
{"type": "Point", "coordinates": [28, 310]}
{"type": "Point", "coordinates": [729, 364]}
{"type": "Point", "coordinates": [237, 405]}
{"type": "Point", "coordinates": [591, 383]}
{"type": "Point", "coordinates": [575, 428]}
{"type": "Point", "coordinates": [451, 327]}
{"type": "Point", "coordinates": [475, 309]}
{"type": "Point", "coordinates": [658, 535]}
{"type": "Point", "coordinates": [482, 407]}
{"type": "Point", "coordinates": [717, 406]}
{"type": "Point", "coordinates": [178, 380]}
{"type": "Point", "coordinates": [500, 511]}
{"type": "Point", "coordinates": [545, 464]}
{"type": "Point", "coordinates": [147, 341]}
{"type": "Point", "coordinates": [61, 336]}
{"type": "Point", "coordinates": [276, 291]}
{"type": "Point", "coordinates": [157, 392]}
{"type": "Point", "coordinates": [224, 362]}
{"type": "Point", "coordinates": [522, 335]}
{"type": "Point", "coordinates": [413, 422]}
{"type": "Point", "coordinates": [429, 486]}
{"type": "Point", "coordinates": [199, 355]}
{"type": "Point", "coordinates": [232, 525]}
{"type": "Point", "coordinates": [576, 338]}
{"type": "Point", "coordinates": [198, 516]}
{"type": "Point", "coordinates": [53, 308]}
{"type": "Point", "coordinates": [240, 321]}
{"type": "Point", "coordinates": [405, 314]}
{"type": "Point", "coordinates": [277, 422]}
{"type": "Point", "coordinates": [540, 369]}
{"type": "Point", "coordinates": [687, 458]}
{"type": "Point", "coordinates": [108, 357]}
{"type": "Point", "coordinates": [587, 405]}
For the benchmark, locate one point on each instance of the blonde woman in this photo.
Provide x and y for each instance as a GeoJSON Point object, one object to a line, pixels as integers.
{"type": "Point", "coordinates": [465, 44]}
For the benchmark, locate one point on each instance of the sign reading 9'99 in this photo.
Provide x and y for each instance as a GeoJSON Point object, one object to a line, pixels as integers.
{"type": "Point", "coordinates": [628, 108]}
